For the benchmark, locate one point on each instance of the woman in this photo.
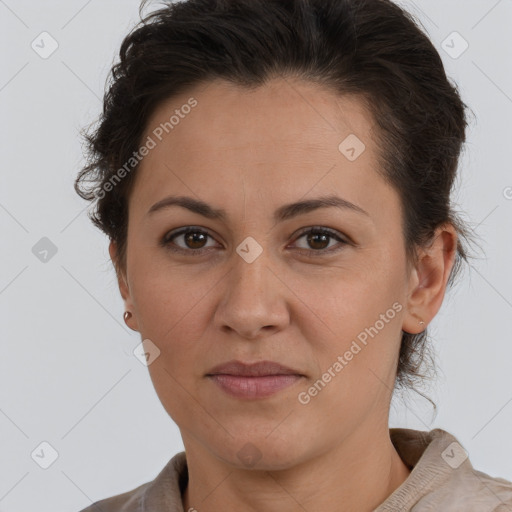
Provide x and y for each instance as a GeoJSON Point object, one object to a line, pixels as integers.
{"type": "Point", "coordinates": [275, 179]}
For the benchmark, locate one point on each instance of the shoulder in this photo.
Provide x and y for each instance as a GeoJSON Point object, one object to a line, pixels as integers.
{"type": "Point", "coordinates": [443, 478]}
{"type": "Point", "coordinates": [162, 493]}
{"type": "Point", "coordinates": [471, 490]}
{"type": "Point", "coordinates": [129, 501]}
{"type": "Point", "coordinates": [466, 485]}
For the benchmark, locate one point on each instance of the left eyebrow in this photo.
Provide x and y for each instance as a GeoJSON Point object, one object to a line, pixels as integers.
{"type": "Point", "coordinates": [281, 214]}
{"type": "Point", "coordinates": [301, 207]}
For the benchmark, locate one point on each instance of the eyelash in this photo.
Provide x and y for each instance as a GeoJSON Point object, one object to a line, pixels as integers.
{"type": "Point", "coordinates": [316, 230]}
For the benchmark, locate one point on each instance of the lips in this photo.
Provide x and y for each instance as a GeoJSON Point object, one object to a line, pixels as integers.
{"type": "Point", "coordinates": [259, 369]}
{"type": "Point", "coordinates": [253, 381]}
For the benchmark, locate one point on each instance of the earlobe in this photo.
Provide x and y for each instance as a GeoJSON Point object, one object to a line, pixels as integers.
{"type": "Point", "coordinates": [123, 288]}
{"type": "Point", "coordinates": [128, 320]}
{"type": "Point", "coordinates": [429, 279]}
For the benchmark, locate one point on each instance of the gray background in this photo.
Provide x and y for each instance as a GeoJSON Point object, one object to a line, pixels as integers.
{"type": "Point", "coordinates": [68, 375]}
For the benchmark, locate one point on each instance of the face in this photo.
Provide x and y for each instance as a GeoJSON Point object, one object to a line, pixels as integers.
{"type": "Point", "coordinates": [259, 283]}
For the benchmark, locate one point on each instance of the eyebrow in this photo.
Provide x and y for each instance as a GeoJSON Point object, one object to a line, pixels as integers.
{"type": "Point", "coordinates": [283, 213]}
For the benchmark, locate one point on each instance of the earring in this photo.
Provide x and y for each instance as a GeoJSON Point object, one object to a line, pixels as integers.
{"type": "Point", "coordinates": [127, 315]}
{"type": "Point", "coordinates": [422, 322]}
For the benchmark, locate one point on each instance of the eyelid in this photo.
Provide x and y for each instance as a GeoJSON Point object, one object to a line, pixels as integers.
{"type": "Point", "coordinates": [331, 233]}
{"type": "Point", "coordinates": [167, 238]}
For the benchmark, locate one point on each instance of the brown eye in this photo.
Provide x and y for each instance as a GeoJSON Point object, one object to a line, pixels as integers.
{"type": "Point", "coordinates": [193, 241]}
{"type": "Point", "coordinates": [318, 240]}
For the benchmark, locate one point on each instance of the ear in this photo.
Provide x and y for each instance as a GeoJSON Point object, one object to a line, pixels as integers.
{"type": "Point", "coordinates": [123, 286]}
{"type": "Point", "coordinates": [429, 278]}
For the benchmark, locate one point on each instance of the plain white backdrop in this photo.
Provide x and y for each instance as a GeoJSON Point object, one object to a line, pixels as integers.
{"type": "Point", "coordinates": [68, 376]}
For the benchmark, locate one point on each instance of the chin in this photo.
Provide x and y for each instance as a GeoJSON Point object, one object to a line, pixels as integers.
{"type": "Point", "coordinates": [260, 453]}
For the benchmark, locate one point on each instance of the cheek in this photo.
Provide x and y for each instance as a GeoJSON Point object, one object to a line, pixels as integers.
{"type": "Point", "coordinates": [166, 297]}
{"type": "Point", "coordinates": [354, 325]}
{"type": "Point", "coordinates": [339, 305]}
{"type": "Point", "coordinates": [168, 310]}
{"type": "Point", "coordinates": [356, 366]}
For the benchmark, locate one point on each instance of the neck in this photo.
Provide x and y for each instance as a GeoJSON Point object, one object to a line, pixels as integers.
{"type": "Point", "coordinates": [356, 475]}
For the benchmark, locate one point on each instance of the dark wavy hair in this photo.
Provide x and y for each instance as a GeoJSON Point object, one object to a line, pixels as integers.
{"type": "Point", "coordinates": [372, 49]}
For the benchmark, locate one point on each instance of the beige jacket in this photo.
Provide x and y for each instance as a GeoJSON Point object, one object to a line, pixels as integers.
{"type": "Point", "coordinates": [442, 480]}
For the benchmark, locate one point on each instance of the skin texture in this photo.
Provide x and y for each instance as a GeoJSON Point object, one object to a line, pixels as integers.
{"type": "Point", "coordinates": [250, 152]}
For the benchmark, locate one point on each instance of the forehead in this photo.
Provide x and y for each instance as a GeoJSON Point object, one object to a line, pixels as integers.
{"type": "Point", "coordinates": [281, 138]}
{"type": "Point", "coordinates": [284, 110]}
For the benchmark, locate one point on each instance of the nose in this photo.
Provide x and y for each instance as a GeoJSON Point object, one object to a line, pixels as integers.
{"type": "Point", "coordinates": [253, 298]}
